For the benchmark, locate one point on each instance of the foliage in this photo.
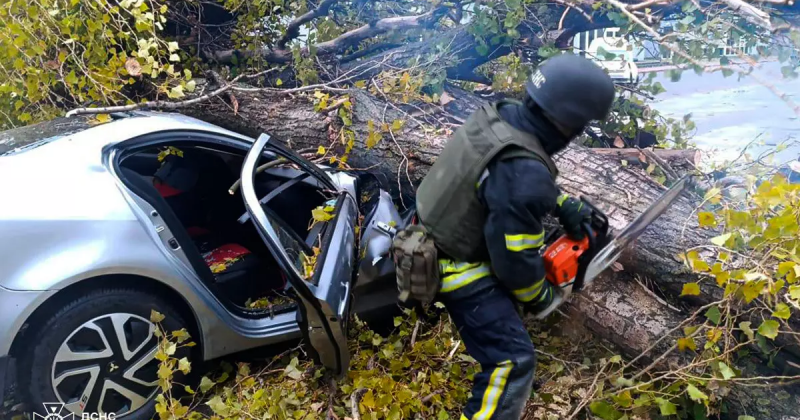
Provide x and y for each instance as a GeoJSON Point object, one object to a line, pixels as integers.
{"type": "Point", "coordinates": [752, 265]}
{"type": "Point", "coordinates": [56, 54]}
{"type": "Point", "coordinates": [419, 370]}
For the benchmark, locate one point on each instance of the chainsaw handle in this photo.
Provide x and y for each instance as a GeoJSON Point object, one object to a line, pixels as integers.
{"type": "Point", "coordinates": [592, 237]}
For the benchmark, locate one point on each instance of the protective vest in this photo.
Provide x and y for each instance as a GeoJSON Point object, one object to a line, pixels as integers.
{"type": "Point", "coordinates": [447, 199]}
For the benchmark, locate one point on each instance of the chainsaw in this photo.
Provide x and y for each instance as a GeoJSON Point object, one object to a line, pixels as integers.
{"type": "Point", "coordinates": [572, 265]}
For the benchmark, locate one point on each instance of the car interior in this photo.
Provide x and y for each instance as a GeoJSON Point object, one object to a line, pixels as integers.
{"type": "Point", "coordinates": [197, 188]}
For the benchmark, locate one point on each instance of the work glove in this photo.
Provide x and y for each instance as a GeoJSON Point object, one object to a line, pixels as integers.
{"type": "Point", "coordinates": [572, 214]}
{"type": "Point", "coordinates": [542, 308]}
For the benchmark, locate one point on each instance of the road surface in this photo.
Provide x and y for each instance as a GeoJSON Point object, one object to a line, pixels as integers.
{"type": "Point", "coordinates": [730, 113]}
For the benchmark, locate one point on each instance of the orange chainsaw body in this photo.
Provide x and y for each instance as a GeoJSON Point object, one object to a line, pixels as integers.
{"type": "Point", "coordinates": [562, 259]}
{"type": "Point", "coordinates": [566, 259]}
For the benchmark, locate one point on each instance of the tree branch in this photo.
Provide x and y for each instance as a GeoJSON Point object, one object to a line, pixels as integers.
{"type": "Point", "coordinates": [372, 49]}
{"type": "Point", "coordinates": [751, 13]}
{"type": "Point", "coordinates": [343, 41]}
{"type": "Point", "coordinates": [293, 30]}
{"type": "Point", "coordinates": [378, 27]}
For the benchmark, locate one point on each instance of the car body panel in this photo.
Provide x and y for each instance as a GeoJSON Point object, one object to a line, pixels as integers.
{"type": "Point", "coordinates": [324, 301]}
{"type": "Point", "coordinates": [67, 234]}
{"type": "Point", "coordinates": [83, 222]}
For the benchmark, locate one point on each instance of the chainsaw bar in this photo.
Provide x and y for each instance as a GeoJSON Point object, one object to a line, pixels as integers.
{"type": "Point", "coordinates": [611, 252]}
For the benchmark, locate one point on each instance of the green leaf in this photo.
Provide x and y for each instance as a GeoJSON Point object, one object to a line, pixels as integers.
{"type": "Point", "coordinates": [206, 384]}
{"type": "Point", "coordinates": [721, 239]}
{"type": "Point", "coordinates": [726, 371]}
{"type": "Point", "coordinates": [794, 292]}
{"type": "Point", "coordinates": [184, 365]}
{"type": "Point", "coordinates": [745, 327]}
{"type": "Point", "coordinates": [782, 311]}
{"type": "Point", "coordinates": [769, 328]}
{"type": "Point", "coordinates": [176, 92]}
{"type": "Point", "coordinates": [695, 394]}
{"type": "Point", "coordinates": [690, 289]}
{"type": "Point", "coordinates": [604, 410]}
{"type": "Point", "coordinates": [292, 371]}
{"type": "Point", "coordinates": [747, 418]}
{"type": "Point", "coordinates": [667, 408]}
{"type": "Point", "coordinates": [278, 82]}
{"type": "Point", "coordinates": [713, 314]}
{"type": "Point", "coordinates": [218, 406]}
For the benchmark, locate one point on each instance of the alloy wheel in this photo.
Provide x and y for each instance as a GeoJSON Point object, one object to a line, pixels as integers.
{"type": "Point", "coordinates": [107, 365]}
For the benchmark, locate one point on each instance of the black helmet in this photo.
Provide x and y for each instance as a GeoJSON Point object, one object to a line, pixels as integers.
{"type": "Point", "coordinates": [572, 90]}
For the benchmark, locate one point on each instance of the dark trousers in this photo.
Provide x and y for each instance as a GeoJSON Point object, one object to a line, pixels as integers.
{"type": "Point", "coordinates": [495, 336]}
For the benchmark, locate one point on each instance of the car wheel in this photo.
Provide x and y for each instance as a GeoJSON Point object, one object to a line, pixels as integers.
{"type": "Point", "coordinates": [96, 354]}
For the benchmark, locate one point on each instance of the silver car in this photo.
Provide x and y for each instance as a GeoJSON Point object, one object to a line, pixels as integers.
{"type": "Point", "coordinates": [100, 223]}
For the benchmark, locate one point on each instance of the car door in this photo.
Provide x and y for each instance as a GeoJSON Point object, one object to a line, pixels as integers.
{"type": "Point", "coordinates": [324, 298]}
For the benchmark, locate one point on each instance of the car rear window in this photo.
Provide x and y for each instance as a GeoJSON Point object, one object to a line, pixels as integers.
{"type": "Point", "coordinates": [21, 139]}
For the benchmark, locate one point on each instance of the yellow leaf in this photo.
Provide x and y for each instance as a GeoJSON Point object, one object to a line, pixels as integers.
{"type": "Point", "coordinates": [174, 57]}
{"type": "Point", "coordinates": [706, 219]}
{"type": "Point", "coordinates": [397, 125]}
{"type": "Point", "coordinates": [711, 193]}
{"type": "Point", "coordinates": [361, 84]}
{"type": "Point", "coordinates": [714, 334]}
{"type": "Point", "coordinates": [156, 316]}
{"type": "Point", "coordinates": [164, 371]}
{"type": "Point", "coordinates": [279, 82]}
{"type": "Point", "coordinates": [368, 400]}
{"type": "Point", "coordinates": [181, 335]}
{"type": "Point", "coordinates": [716, 268]}
{"type": "Point", "coordinates": [789, 270]}
{"type": "Point", "coordinates": [690, 289]}
{"type": "Point", "coordinates": [103, 118]}
{"type": "Point", "coordinates": [723, 278]}
{"type": "Point", "coordinates": [171, 348]}
{"type": "Point", "coordinates": [723, 256]}
{"type": "Point", "coordinates": [320, 215]}
{"type": "Point", "coordinates": [752, 290]}
{"type": "Point", "coordinates": [321, 151]}
{"type": "Point", "coordinates": [686, 343]}
{"type": "Point", "coordinates": [700, 265]}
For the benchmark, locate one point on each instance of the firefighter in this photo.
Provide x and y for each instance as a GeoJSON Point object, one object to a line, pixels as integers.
{"type": "Point", "coordinates": [483, 202]}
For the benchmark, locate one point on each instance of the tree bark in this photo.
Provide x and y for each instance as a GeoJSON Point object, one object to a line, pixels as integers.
{"type": "Point", "coordinates": [633, 308]}
{"type": "Point", "coordinates": [678, 158]}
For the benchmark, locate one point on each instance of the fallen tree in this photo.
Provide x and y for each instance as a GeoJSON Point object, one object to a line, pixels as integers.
{"type": "Point", "coordinates": [638, 309]}
{"type": "Point", "coordinates": [382, 85]}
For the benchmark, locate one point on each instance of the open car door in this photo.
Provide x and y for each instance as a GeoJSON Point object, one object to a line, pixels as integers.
{"type": "Point", "coordinates": [324, 298]}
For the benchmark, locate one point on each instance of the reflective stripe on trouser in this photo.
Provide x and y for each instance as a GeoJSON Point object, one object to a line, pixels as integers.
{"type": "Point", "coordinates": [495, 336]}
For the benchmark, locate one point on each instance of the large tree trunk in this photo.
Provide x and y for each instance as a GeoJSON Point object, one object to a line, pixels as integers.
{"type": "Point", "coordinates": [633, 308]}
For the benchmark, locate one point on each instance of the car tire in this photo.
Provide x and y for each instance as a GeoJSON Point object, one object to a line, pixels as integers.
{"type": "Point", "coordinates": [76, 354]}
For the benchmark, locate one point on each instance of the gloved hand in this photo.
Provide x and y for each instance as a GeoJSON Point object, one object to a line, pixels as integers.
{"type": "Point", "coordinates": [572, 213]}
